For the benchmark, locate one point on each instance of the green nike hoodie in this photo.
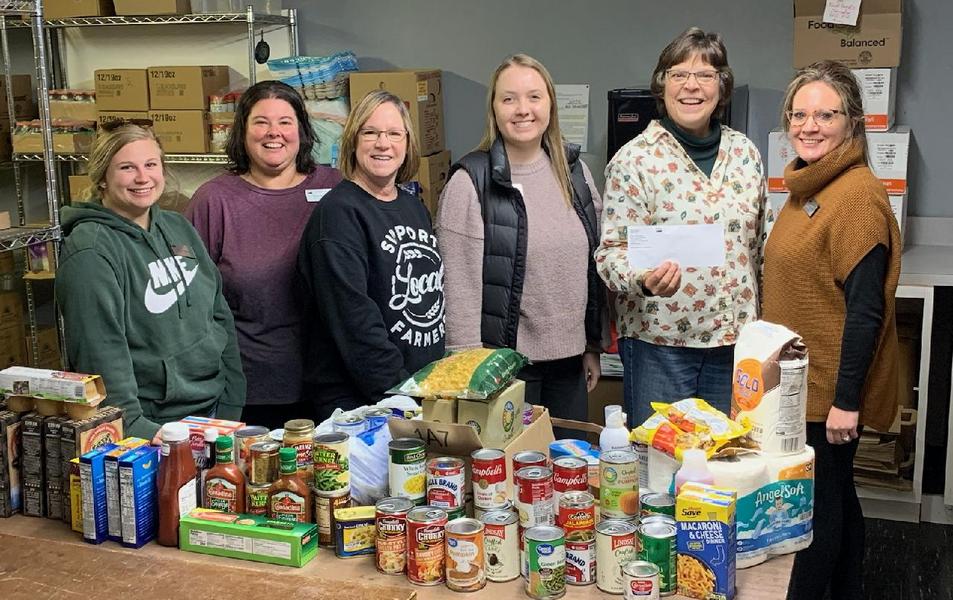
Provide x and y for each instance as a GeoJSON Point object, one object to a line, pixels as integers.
{"type": "Point", "coordinates": [145, 310]}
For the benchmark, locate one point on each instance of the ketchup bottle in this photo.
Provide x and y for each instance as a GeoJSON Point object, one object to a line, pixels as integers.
{"type": "Point", "coordinates": [177, 481]}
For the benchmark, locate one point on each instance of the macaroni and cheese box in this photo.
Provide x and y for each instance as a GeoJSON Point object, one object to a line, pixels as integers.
{"type": "Point", "coordinates": [113, 514]}
{"type": "Point", "coordinates": [92, 477]}
{"type": "Point", "coordinates": [705, 542]}
{"type": "Point", "coordinates": [138, 495]}
{"type": "Point", "coordinates": [248, 537]}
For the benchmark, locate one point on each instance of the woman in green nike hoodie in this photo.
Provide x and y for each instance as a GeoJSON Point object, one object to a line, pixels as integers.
{"type": "Point", "coordinates": [141, 301]}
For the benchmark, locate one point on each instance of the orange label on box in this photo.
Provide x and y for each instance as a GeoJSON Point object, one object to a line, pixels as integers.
{"type": "Point", "coordinates": [875, 122]}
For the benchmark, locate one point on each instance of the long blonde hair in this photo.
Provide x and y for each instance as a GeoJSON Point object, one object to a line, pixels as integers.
{"type": "Point", "coordinates": [552, 139]}
{"type": "Point", "coordinates": [105, 147]}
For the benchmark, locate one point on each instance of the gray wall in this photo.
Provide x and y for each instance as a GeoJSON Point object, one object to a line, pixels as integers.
{"type": "Point", "coordinates": [615, 43]}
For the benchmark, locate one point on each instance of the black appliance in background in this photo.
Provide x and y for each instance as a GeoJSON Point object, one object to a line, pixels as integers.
{"type": "Point", "coordinates": [630, 111]}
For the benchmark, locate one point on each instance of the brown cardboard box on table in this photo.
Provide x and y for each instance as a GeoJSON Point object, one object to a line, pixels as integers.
{"type": "Point", "coordinates": [432, 177]}
{"type": "Point", "coordinates": [152, 7]}
{"type": "Point", "coordinates": [874, 42]}
{"type": "Point", "coordinates": [64, 9]}
{"type": "Point", "coordinates": [12, 352]}
{"type": "Point", "coordinates": [24, 103]}
{"type": "Point", "coordinates": [183, 131]}
{"type": "Point", "coordinates": [421, 91]}
{"type": "Point", "coordinates": [11, 312]}
{"type": "Point", "coordinates": [121, 89]}
{"type": "Point", "coordinates": [185, 88]}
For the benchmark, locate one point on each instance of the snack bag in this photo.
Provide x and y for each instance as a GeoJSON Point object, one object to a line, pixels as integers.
{"type": "Point", "coordinates": [663, 435]}
{"type": "Point", "coordinates": [474, 374]}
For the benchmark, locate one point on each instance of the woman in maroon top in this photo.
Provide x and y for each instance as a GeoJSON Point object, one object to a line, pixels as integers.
{"type": "Point", "coordinates": [251, 220]}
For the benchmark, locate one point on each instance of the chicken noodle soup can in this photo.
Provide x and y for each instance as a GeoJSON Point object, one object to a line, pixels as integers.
{"type": "Point", "coordinates": [445, 482]}
{"type": "Point", "coordinates": [640, 580]}
{"type": "Point", "coordinates": [488, 478]}
{"type": "Point", "coordinates": [465, 562]}
{"type": "Point", "coordinates": [580, 557]}
{"type": "Point", "coordinates": [528, 458]}
{"type": "Point", "coordinates": [324, 506]}
{"type": "Point", "coordinates": [657, 543]}
{"type": "Point", "coordinates": [392, 535]}
{"type": "Point", "coordinates": [331, 459]}
{"type": "Point", "coordinates": [619, 484]}
{"type": "Point", "coordinates": [615, 546]}
{"type": "Point", "coordinates": [407, 469]}
{"type": "Point", "coordinates": [534, 497]}
{"type": "Point", "coordinates": [425, 545]}
{"type": "Point", "coordinates": [570, 473]}
{"type": "Point", "coordinates": [501, 545]}
{"type": "Point", "coordinates": [546, 562]}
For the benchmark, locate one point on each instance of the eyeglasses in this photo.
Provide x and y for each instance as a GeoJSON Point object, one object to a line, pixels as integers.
{"type": "Point", "coordinates": [702, 77]}
{"type": "Point", "coordinates": [115, 124]}
{"type": "Point", "coordinates": [821, 117]}
{"type": "Point", "coordinates": [372, 135]}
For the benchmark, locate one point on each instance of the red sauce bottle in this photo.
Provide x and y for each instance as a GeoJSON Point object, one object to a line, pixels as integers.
{"type": "Point", "coordinates": [289, 498]}
{"type": "Point", "coordinates": [225, 482]}
{"type": "Point", "coordinates": [177, 481]}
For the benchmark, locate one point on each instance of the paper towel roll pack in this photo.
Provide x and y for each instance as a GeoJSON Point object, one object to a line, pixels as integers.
{"type": "Point", "coordinates": [769, 386]}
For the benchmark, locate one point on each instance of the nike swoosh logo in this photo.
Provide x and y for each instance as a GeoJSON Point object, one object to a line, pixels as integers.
{"type": "Point", "coordinates": [157, 303]}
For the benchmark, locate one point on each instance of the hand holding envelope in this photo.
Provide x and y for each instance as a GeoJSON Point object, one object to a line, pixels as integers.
{"type": "Point", "coordinates": [665, 249]}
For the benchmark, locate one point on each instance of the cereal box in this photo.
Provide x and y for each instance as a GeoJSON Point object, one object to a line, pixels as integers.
{"type": "Point", "coordinates": [705, 542]}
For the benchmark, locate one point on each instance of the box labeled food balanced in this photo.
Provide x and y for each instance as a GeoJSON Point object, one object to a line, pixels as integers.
{"type": "Point", "coordinates": [874, 41]}
{"type": "Point", "coordinates": [248, 537]}
{"type": "Point", "coordinates": [705, 541]}
{"type": "Point", "coordinates": [186, 88]}
{"type": "Point", "coordinates": [92, 476]}
{"type": "Point", "coordinates": [138, 495]}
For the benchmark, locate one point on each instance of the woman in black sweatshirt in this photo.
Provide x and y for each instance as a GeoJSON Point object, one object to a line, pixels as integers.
{"type": "Point", "coordinates": [370, 267]}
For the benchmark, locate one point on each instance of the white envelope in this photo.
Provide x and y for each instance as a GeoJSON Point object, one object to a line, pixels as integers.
{"type": "Point", "coordinates": [689, 245]}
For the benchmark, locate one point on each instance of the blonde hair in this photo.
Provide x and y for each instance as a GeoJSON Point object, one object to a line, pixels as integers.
{"type": "Point", "coordinates": [355, 121]}
{"type": "Point", "coordinates": [840, 79]}
{"type": "Point", "coordinates": [552, 139]}
{"type": "Point", "coordinates": [105, 147]}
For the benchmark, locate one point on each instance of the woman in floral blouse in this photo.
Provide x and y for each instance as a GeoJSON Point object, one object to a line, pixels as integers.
{"type": "Point", "coordinates": [678, 324]}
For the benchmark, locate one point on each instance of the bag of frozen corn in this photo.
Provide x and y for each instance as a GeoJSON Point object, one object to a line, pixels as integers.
{"type": "Point", "coordinates": [474, 374]}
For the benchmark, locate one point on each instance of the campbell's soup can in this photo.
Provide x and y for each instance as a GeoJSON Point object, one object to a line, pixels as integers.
{"type": "Point", "coordinates": [535, 496]}
{"type": "Point", "coordinates": [640, 580]}
{"type": "Point", "coordinates": [528, 458]}
{"type": "Point", "coordinates": [615, 546]}
{"type": "Point", "coordinates": [425, 545]}
{"type": "Point", "coordinates": [581, 557]}
{"type": "Point", "coordinates": [488, 478]}
{"type": "Point", "coordinates": [570, 473]}
{"type": "Point", "coordinates": [501, 544]}
{"type": "Point", "coordinates": [508, 507]}
{"type": "Point", "coordinates": [618, 484]}
{"type": "Point", "coordinates": [465, 555]}
{"type": "Point", "coordinates": [445, 482]}
{"type": "Point", "coordinates": [391, 526]}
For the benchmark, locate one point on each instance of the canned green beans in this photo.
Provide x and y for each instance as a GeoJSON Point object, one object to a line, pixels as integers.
{"type": "Point", "coordinates": [546, 562]}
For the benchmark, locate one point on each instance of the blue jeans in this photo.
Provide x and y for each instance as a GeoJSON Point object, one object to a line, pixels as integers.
{"type": "Point", "coordinates": [653, 373]}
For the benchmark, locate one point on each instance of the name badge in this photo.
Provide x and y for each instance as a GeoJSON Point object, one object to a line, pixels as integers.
{"type": "Point", "coordinates": [315, 195]}
{"type": "Point", "coordinates": [810, 207]}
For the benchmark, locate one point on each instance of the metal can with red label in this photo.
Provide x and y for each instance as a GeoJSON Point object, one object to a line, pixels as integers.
{"type": "Point", "coordinates": [535, 496]}
{"type": "Point", "coordinates": [445, 482]}
{"type": "Point", "coordinates": [577, 512]}
{"type": "Point", "coordinates": [425, 545]}
{"type": "Point", "coordinates": [616, 545]}
{"type": "Point", "coordinates": [570, 473]}
{"type": "Point", "coordinates": [581, 557]}
{"type": "Point", "coordinates": [641, 580]}
{"type": "Point", "coordinates": [488, 477]}
{"type": "Point", "coordinates": [528, 458]}
{"type": "Point", "coordinates": [501, 543]}
{"type": "Point", "coordinates": [391, 524]}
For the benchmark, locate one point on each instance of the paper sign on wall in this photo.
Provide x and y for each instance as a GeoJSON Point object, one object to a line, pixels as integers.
{"type": "Point", "coordinates": [842, 12]}
{"type": "Point", "coordinates": [572, 104]}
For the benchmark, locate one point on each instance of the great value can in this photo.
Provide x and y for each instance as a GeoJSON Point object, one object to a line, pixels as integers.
{"type": "Point", "coordinates": [501, 545]}
{"type": "Point", "coordinates": [577, 512]}
{"type": "Point", "coordinates": [488, 478]}
{"type": "Point", "coordinates": [615, 546]}
{"type": "Point", "coordinates": [528, 458]}
{"type": "Point", "coordinates": [425, 545]}
{"type": "Point", "coordinates": [330, 457]}
{"type": "Point", "coordinates": [581, 557]}
{"type": "Point", "coordinates": [570, 473]}
{"type": "Point", "coordinates": [324, 506]}
{"type": "Point", "coordinates": [407, 469]}
{"type": "Point", "coordinates": [640, 580]}
{"type": "Point", "coordinates": [657, 542]}
{"type": "Point", "coordinates": [657, 503]}
{"type": "Point", "coordinates": [618, 484]}
{"type": "Point", "coordinates": [546, 562]}
{"type": "Point", "coordinates": [465, 555]}
{"type": "Point", "coordinates": [391, 523]}
{"type": "Point", "coordinates": [445, 482]}
{"type": "Point", "coordinates": [534, 497]}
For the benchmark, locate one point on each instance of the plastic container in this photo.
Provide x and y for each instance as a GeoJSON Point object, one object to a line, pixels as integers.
{"type": "Point", "coordinates": [615, 435]}
{"type": "Point", "coordinates": [694, 468]}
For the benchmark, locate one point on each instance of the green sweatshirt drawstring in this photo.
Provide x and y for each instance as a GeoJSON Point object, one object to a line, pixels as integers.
{"type": "Point", "coordinates": [188, 294]}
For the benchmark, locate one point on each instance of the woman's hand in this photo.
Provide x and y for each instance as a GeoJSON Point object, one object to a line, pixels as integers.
{"type": "Point", "coordinates": [592, 368]}
{"type": "Point", "coordinates": [157, 440]}
{"type": "Point", "coordinates": [841, 425]}
{"type": "Point", "coordinates": [664, 280]}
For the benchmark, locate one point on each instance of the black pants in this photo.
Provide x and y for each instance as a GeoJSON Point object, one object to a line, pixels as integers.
{"type": "Point", "coordinates": [560, 386]}
{"type": "Point", "coordinates": [835, 559]}
{"type": "Point", "coordinates": [274, 416]}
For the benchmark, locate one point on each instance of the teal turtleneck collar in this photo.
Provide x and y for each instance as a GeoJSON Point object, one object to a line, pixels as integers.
{"type": "Point", "coordinates": [702, 150]}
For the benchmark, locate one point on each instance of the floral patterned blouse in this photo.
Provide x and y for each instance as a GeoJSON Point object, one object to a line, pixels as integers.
{"type": "Point", "coordinates": [652, 181]}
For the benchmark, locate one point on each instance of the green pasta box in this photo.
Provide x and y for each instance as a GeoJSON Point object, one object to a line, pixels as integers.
{"type": "Point", "coordinates": [248, 537]}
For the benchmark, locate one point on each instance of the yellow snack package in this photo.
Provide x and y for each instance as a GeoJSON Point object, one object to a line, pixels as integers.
{"type": "Point", "coordinates": [712, 427]}
{"type": "Point", "coordinates": [474, 374]}
{"type": "Point", "coordinates": [665, 436]}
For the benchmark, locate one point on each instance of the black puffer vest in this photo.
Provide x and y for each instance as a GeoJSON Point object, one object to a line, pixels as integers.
{"type": "Point", "coordinates": [504, 244]}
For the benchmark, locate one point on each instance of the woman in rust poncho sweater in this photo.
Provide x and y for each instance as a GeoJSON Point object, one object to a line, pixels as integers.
{"type": "Point", "coordinates": [831, 268]}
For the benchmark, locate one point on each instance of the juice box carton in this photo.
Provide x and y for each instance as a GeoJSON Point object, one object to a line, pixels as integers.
{"type": "Point", "coordinates": [705, 542]}
{"type": "Point", "coordinates": [248, 537]}
{"type": "Point", "coordinates": [113, 516]}
{"type": "Point", "coordinates": [138, 471]}
{"type": "Point", "coordinates": [92, 476]}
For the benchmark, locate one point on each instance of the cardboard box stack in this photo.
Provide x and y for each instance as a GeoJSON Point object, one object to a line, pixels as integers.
{"type": "Point", "coordinates": [12, 348]}
{"type": "Point", "coordinates": [24, 109]}
{"type": "Point", "coordinates": [421, 90]}
{"type": "Point", "coordinates": [872, 50]}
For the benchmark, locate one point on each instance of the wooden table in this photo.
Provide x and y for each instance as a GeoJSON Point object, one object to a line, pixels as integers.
{"type": "Point", "coordinates": [42, 559]}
